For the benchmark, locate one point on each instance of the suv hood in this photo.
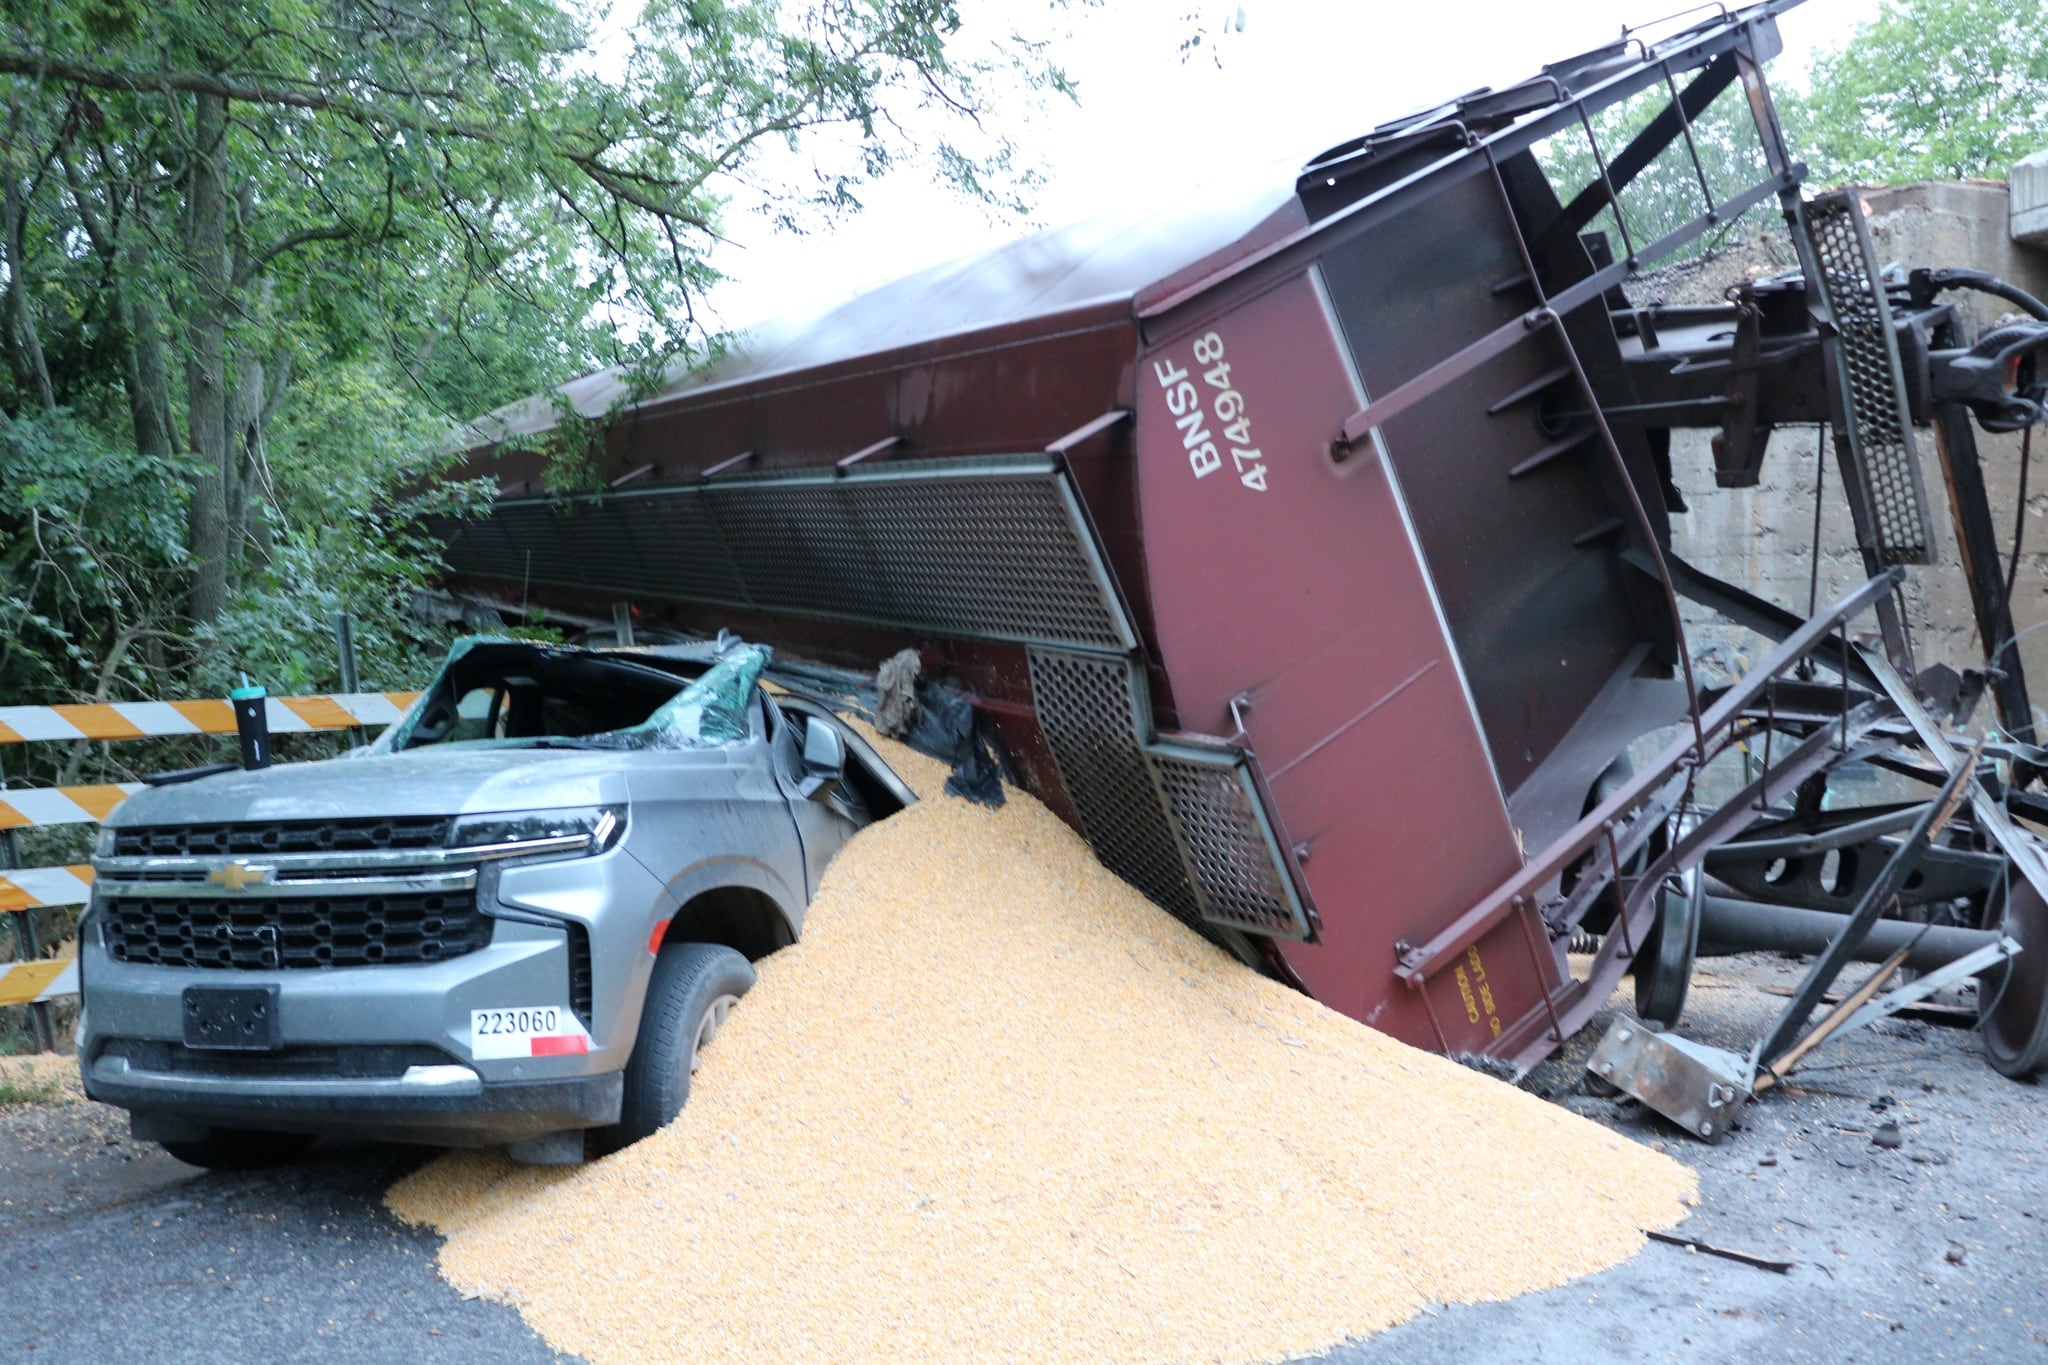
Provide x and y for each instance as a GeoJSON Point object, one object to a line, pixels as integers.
{"type": "Point", "coordinates": [417, 782]}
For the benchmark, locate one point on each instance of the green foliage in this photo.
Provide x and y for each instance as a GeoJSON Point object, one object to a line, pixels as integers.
{"type": "Point", "coordinates": [340, 534]}
{"type": "Point", "coordinates": [1929, 89]}
{"type": "Point", "coordinates": [1668, 192]}
{"type": "Point", "coordinates": [235, 364]}
{"type": "Point", "coordinates": [89, 528]}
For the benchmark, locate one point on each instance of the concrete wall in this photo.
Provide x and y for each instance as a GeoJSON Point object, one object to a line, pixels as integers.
{"type": "Point", "coordinates": [1762, 537]}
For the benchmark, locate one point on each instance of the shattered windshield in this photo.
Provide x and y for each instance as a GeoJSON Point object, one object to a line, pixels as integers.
{"type": "Point", "coordinates": [504, 694]}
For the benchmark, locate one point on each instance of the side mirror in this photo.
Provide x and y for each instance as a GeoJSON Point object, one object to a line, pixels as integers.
{"type": "Point", "coordinates": [824, 759]}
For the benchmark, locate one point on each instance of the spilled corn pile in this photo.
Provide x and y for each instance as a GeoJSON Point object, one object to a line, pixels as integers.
{"type": "Point", "coordinates": [996, 1106]}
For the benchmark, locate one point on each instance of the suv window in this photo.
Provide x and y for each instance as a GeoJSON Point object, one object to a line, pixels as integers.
{"type": "Point", "coordinates": [515, 694]}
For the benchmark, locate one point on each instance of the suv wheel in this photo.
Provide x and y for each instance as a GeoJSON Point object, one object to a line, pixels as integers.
{"type": "Point", "coordinates": [693, 987]}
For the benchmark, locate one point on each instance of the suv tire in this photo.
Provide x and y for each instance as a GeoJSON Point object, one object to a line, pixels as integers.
{"type": "Point", "coordinates": [692, 988]}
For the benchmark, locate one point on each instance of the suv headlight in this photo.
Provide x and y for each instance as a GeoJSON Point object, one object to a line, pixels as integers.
{"type": "Point", "coordinates": [103, 844]}
{"type": "Point", "coordinates": [579, 831]}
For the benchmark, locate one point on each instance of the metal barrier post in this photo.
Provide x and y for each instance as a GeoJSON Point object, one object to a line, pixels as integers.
{"type": "Point", "coordinates": [345, 652]}
{"type": "Point", "coordinates": [28, 949]}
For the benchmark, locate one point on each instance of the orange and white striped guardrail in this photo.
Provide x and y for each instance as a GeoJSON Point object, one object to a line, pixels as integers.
{"type": "Point", "coordinates": [156, 719]}
{"type": "Point", "coordinates": [62, 805]}
{"type": "Point", "coordinates": [32, 888]}
{"type": "Point", "coordinates": [30, 983]}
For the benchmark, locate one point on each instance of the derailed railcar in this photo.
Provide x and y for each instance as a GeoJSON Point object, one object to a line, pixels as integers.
{"type": "Point", "coordinates": [1310, 552]}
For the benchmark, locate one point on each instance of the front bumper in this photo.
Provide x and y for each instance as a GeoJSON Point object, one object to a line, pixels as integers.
{"type": "Point", "coordinates": [448, 1105]}
{"type": "Point", "coordinates": [385, 1051]}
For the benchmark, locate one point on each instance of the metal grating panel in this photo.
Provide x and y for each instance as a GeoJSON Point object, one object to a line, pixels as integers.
{"type": "Point", "coordinates": [1879, 432]}
{"type": "Point", "coordinates": [971, 549]}
{"type": "Point", "coordinates": [1089, 711]}
{"type": "Point", "coordinates": [1184, 824]}
{"type": "Point", "coordinates": [1239, 869]}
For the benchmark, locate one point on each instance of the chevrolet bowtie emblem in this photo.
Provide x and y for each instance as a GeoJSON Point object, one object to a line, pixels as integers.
{"type": "Point", "coordinates": [240, 875]}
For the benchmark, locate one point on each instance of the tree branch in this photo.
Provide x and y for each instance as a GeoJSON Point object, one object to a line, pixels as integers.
{"type": "Point", "coordinates": [339, 232]}
{"type": "Point", "coordinates": [186, 82]}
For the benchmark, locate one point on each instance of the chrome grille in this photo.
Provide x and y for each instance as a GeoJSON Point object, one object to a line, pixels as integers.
{"type": "Point", "coordinates": [297, 1061]}
{"type": "Point", "coordinates": [282, 836]}
{"type": "Point", "coordinates": [265, 932]}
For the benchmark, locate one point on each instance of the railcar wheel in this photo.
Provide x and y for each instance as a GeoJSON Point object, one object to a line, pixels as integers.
{"type": "Point", "coordinates": [1663, 968]}
{"type": "Point", "coordinates": [2012, 998]}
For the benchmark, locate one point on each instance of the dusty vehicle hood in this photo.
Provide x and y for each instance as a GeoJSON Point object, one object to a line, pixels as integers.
{"type": "Point", "coordinates": [416, 782]}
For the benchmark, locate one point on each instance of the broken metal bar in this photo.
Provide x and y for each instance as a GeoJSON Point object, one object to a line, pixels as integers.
{"type": "Point", "coordinates": [2025, 851]}
{"type": "Point", "coordinates": [1776, 1267]}
{"type": "Point", "coordinates": [1913, 992]}
{"type": "Point", "coordinates": [1830, 1023]}
{"type": "Point", "coordinates": [1086, 430]}
{"type": "Point", "coordinates": [1880, 893]}
{"type": "Point", "coordinates": [1466, 929]}
{"type": "Point", "coordinates": [1577, 1003]}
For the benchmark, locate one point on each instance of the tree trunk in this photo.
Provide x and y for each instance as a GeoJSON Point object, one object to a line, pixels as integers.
{"type": "Point", "coordinates": [21, 322]}
{"type": "Point", "coordinates": [210, 521]}
{"type": "Point", "coordinates": [147, 371]}
{"type": "Point", "coordinates": [260, 389]}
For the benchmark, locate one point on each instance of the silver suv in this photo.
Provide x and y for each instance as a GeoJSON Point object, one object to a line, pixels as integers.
{"type": "Point", "coordinates": [514, 918]}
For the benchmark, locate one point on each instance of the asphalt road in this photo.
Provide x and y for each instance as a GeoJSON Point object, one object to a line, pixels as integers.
{"type": "Point", "coordinates": [1932, 1250]}
{"type": "Point", "coordinates": [112, 1251]}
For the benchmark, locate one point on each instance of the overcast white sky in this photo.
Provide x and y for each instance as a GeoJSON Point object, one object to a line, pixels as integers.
{"type": "Point", "coordinates": [1300, 76]}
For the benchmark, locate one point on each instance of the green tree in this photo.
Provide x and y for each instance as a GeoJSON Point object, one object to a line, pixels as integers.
{"type": "Point", "coordinates": [258, 258]}
{"type": "Point", "coordinates": [1929, 89]}
{"type": "Point", "coordinates": [1669, 192]}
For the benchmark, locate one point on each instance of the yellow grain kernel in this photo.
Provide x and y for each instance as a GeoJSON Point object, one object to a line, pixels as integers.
{"type": "Point", "coordinates": [997, 1106]}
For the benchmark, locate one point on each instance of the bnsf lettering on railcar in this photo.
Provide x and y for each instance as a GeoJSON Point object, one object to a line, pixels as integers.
{"type": "Point", "coordinates": [1184, 404]}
